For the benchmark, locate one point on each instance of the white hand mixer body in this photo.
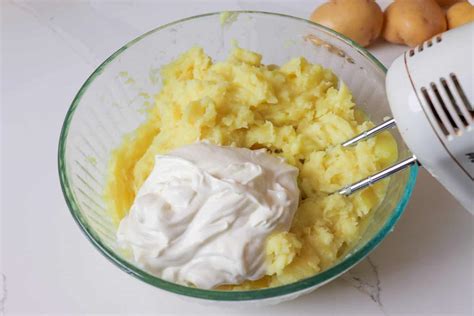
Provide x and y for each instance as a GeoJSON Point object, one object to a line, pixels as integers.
{"type": "Point", "coordinates": [430, 92]}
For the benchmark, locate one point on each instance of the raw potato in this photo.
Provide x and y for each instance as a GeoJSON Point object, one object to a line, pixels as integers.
{"type": "Point", "coordinates": [459, 14]}
{"type": "Point", "coordinates": [447, 3]}
{"type": "Point", "coordinates": [360, 20]}
{"type": "Point", "coordinates": [412, 22]}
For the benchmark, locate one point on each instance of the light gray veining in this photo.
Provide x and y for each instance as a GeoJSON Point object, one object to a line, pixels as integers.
{"type": "Point", "coordinates": [4, 293]}
{"type": "Point", "coordinates": [365, 278]}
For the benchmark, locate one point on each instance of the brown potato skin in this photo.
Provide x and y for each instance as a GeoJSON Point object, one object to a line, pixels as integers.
{"type": "Point", "coordinates": [360, 20]}
{"type": "Point", "coordinates": [411, 22]}
{"type": "Point", "coordinates": [447, 3]}
{"type": "Point", "coordinates": [460, 14]}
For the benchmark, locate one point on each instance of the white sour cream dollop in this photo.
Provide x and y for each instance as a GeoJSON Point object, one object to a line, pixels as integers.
{"type": "Point", "coordinates": [203, 215]}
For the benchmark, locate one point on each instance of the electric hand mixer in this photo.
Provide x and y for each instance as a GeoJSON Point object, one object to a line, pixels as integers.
{"type": "Point", "coordinates": [430, 92]}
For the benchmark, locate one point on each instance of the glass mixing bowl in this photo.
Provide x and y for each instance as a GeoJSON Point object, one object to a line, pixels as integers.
{"type": "Point", "coordinates": [110, 104]}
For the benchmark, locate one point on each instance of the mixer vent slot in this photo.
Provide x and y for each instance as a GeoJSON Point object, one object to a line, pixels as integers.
{"type": "Point", "coordinates": [449, 106]}
{"type": "Point", "coordinates": [427, 44]}
{"type": "Point", "coordinates": [446, 111]}
{"type": "Point", "coordinates": [453, 101]}
{"type": "Point", "coordinates": [463, 96]}
{"type": "Point", "coordinates": [428, 100]}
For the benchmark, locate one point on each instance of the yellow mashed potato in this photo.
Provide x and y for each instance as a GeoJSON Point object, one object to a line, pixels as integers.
{"type": "Point", "coordinates": [299, 111]}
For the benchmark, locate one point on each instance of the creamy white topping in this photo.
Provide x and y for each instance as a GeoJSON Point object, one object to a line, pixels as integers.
{"type": "Point", "coordinates": [203, 215]}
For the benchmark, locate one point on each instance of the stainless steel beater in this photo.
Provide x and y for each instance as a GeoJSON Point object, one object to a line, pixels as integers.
{"type": "Point", "coordinates": [359, 185]}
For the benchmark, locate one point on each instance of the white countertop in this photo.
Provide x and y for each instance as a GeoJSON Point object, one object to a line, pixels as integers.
{"type": "Point", "coordinates": [48, 49]}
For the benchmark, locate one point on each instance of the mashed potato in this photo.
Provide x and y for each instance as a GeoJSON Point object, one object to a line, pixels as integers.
{"type": "Point", "coordinates": [299, 111]}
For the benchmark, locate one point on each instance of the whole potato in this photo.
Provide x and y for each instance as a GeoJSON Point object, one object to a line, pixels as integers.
{"type": "Point", "coordinates": [412, 22]}
{"type": "Point", "coordinates": [459, 14]}
{"type": "Point", "coordinates": [360, 20]}
{"type": "Point", "coordinates": [447, 3]}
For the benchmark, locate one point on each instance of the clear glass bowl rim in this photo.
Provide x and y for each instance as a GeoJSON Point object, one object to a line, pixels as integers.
{"type": "Point", "coordinates": [301, 285]}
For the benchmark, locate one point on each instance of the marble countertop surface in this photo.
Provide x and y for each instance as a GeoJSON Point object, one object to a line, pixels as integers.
{"type": "Point", "coordinates": [48, 48]}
